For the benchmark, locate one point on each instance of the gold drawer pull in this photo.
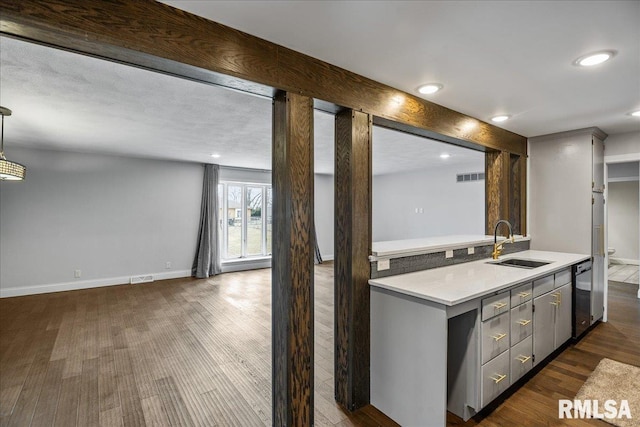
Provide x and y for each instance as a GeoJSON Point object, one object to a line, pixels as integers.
{"type": "Point", "coordinates": [523, 359]}
{"type": "Point", "coordinates": [524, 322]}
{"type": "Point", "coordinates": [499, 305]}
{"type": "Point", "coordinates": [498, 337]}
{"type": "Point", "coordinates": [524, 294]}
{"type": "Point", "coordinates": [556, 303]}
{"type": "Point", "coordinates": [499, 378]}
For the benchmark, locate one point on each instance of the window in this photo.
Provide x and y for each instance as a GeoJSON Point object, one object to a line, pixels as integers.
{"type": "Point", "coordinates": [245, 218]}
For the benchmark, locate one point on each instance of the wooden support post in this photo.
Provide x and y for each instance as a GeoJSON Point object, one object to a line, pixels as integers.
{"type": "Point", "coordinates": [517, 193]}
{"type": "Point", "coordinates": [292, 264]}
{"type": "Point", "coordinates": [352, 249]}
{"type": "Point", "coordinates": [497, 179]}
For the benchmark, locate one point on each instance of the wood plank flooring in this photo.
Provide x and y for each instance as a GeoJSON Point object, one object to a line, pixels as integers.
{"type": "Point", "coordinates": [625, 273]}
{"type": "Point", "coordinates": [189, 352]}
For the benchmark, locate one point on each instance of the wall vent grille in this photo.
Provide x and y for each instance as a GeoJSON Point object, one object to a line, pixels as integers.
{"type": "Point", "coordinates": [469, 177]}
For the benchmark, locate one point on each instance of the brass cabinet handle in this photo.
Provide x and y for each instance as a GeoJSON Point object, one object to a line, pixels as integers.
{"type": "Point", "coordinates": [524, 294]}
{"type": "Point", "coordinates": [556, 303]}
{"type": "Point", "coordinates": [524, 322]}
{"type": "Point", "coordinates": [558, 296]}
{"type": "Point", "coordinates": [498, 378]}
{"type": "Point", "coordinates": [498, 337]}
{"type": "Point", "coordinates": [523, 359]}
{"type": "Point", "coordinates": [499, 305]}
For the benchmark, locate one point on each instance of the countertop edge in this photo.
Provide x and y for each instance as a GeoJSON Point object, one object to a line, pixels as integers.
{"type": "Point", "coordinates": [558, 265]}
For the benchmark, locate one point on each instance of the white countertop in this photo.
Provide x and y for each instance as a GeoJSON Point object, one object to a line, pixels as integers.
{"type": "Point", "coordinates": [459, 283]}
{"type": "Point", "coordinates": [406, 247]}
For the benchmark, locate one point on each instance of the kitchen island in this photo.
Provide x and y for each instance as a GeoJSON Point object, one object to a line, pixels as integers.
{"type": "Point", "coordinates": [447, 338]}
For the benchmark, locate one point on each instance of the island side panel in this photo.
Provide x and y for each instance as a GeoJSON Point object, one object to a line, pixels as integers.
{"type": "Point", "coordinates": [408, 358]}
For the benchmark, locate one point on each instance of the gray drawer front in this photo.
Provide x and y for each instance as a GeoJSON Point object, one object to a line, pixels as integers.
{"type": "Point", "coordinates": [495, 378]}
{"type": "Point", "coordinates": [495, 336]}
{"type": "Point", "coordinates": [496, 305]}
{"type": "Point", "coordinates": [562, 277]}
{"type": "Point", "coordinates": [521, 322]}
{"type": "Point", "coordinates": [543, 285]}
{"type": "Point", "coordinates": [521, 359]}
{"type": "Point", "coordinates": [521, 294]}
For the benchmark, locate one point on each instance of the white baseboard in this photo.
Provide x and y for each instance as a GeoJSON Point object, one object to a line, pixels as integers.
{"type": "Point", "coordinates": [615, 260]}
{"type": "Point", "coordinates": [327, 257]}
{"type": "Point", "coordinates": [86, 284]}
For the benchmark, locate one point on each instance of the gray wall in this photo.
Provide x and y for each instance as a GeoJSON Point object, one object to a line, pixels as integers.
{"type": "Point", "coordinates": [623, 206]}
{"type": "Point", "coordinates": [623, 171]}
{"type": "Point", "coordinates": [447, 207]}
{"type": "Point", "coordinates": [110, 217]}
{"type": "Point", "coordinates": [324, 214]}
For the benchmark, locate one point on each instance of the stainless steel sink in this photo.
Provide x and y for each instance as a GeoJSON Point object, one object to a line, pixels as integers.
{"type": "Point", "coordinates": [520, 263]}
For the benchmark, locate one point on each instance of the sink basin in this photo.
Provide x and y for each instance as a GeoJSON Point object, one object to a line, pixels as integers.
{"type": "Point", "coordinates": [520, 263]}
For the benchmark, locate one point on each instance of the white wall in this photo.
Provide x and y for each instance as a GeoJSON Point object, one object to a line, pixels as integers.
{"type": "Point", "coordinates": [110, 217]}
{"type": "Point", "coordinates": [622, 143]}
{"type": "Point", "coordinates": [623, 205]}
{"type": "Point", "coordinates": [324, 214]}
{"type": "Point", "coordinates": [448, 207]}
{"type": "Point", "coordinates": [628, 171]}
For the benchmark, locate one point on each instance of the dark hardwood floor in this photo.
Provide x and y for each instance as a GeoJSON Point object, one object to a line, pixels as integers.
{"type": "Point", "coordinates": [198, 352]}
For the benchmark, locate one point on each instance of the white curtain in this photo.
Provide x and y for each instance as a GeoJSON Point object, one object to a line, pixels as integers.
{"type": "Point", "coordinates": [207, 260]}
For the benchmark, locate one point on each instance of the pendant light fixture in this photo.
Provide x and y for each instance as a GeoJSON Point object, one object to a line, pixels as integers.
{"type": "Point", "coordinates": [9, 171]}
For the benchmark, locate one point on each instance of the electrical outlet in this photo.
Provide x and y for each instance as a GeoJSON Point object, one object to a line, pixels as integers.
{"type": "Point", "coordinates": [77, 274]}
{"type": "Point", "coordinates": [448, 254]}
{"type": "Point", "coordinates": [167, 265]}
{"type": "Point", "coordinates": [421, 210]}
{"type": "Point", "coordinates": [471, 251]}
{"type": "Point", "coordinates": [416, 210]}
{"type": "Point", "coordinates": [384, 264]}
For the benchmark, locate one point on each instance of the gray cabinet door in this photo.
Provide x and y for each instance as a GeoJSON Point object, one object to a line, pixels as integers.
{"type": "Point", "coordinates": [544, 317]}
{"type": "Point", "coordinates": [563, 317]}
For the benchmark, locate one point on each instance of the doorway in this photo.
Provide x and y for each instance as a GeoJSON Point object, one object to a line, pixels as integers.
{"type": "Point", "coordinates": [622, 219]}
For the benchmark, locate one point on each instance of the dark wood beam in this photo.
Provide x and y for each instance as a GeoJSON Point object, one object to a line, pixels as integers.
{"type": "Point", "coordinates": [156, 36]}
{"type": "Point", "coordinates": [351, 262]}
{"type": "Point", "coordinates": [517, 193]}
{"type": "Point", "coordinates": [292, 263]}
{"type": "Point", "coordinates": [497, 178]}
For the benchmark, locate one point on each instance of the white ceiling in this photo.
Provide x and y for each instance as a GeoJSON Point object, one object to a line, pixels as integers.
{"type": "Point", "coordinates": [65, 101]}
{"type": "Point", "coordinates": [512, 57]}
{"type": "Point", "coordinates": [493, 57]}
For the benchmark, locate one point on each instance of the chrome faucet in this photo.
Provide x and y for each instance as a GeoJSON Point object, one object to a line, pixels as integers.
{"type": "Point", "coordinates": [497, 247]}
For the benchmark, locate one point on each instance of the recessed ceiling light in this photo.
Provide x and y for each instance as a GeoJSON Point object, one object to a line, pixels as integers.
{"type": "Point", "coordinates": [635, 113]}
{"type": "Point", "coordinates": [215, 155]}
{"type": "Point", "coordinates": [500, 118]}
{"type": "Point", "coordinates": [594, 58]}
{"type": "Point", "coordinates": [430, 88]}
{"type": "Point", "coordinates": [445, 156]}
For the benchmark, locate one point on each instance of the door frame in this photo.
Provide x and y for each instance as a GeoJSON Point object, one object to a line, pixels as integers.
{"type": "Point", "coordinates": [620, 158]}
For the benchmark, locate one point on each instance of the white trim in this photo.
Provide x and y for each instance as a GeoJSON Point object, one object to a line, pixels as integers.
{"type": "Point", "coordinates": [327, 257]}
{"type": "Point", "coordinates": [624, 179]}
{"type": "Point", "coordinates": [86, 284]}
{"type": "Point", "coordinates": [629, 261]}
{"type": "Point", "coordinates": [622, 158]}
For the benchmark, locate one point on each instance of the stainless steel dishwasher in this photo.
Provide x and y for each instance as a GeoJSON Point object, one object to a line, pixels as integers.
{"type": "Point", "coordinates": [582, 281]}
